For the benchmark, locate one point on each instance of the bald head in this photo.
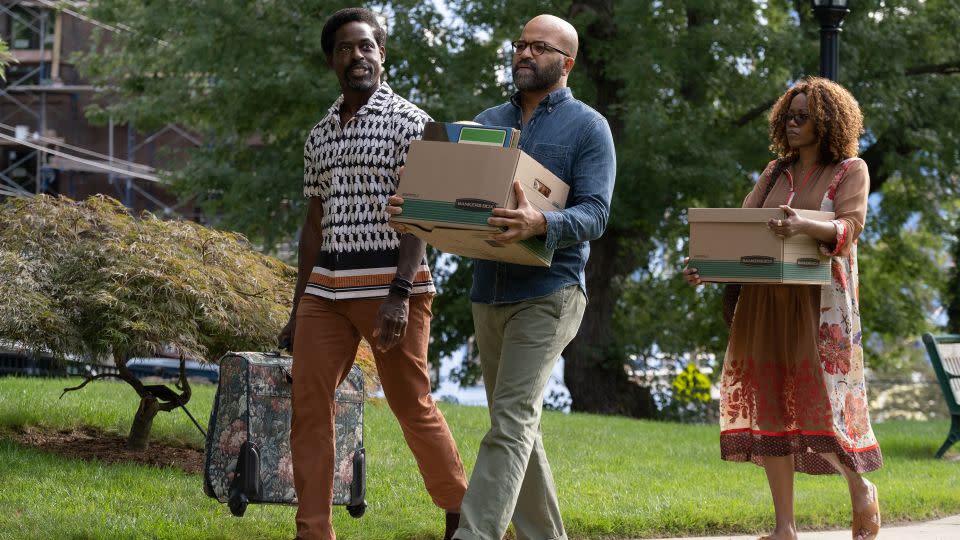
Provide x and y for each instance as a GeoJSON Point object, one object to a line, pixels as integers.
{"type": "Point", "coordinates": [553, 30]}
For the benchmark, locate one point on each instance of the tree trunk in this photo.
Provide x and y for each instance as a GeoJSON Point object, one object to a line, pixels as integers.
{"type": "Point", "coordinates": [139, 438]}
{"type": "Point", "coordinates": [593, 368]}
{"type": "Point", "coordinates": [953, 290]}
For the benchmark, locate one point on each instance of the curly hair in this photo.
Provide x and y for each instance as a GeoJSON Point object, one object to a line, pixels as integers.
{"type": "Point", "coordinates": [837, 120]}
{"type": "Point", "coordinates": [349, 15]}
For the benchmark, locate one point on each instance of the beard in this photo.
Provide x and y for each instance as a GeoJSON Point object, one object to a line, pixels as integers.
{"type": "Point", "coordinates": [362, 83]}
{"type": "Point", "coordinates": [538, 78]}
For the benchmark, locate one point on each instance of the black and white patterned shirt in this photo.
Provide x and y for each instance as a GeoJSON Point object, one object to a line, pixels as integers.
{"type": "Point", "coordinates": [353, 169]}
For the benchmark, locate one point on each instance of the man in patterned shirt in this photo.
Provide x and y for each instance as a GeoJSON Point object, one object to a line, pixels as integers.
{"type": "Point", "coordinates": [359, 279]}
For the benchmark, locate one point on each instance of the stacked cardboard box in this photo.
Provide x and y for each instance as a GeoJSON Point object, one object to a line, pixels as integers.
{"type": "Point", "coordinates": [471, 133]}
{"type": "Point", "coordinates": [449, 189]}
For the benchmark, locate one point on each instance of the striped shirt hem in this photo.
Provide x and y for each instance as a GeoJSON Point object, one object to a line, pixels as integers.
{"type": "Point", "coordinates": [363, 283]}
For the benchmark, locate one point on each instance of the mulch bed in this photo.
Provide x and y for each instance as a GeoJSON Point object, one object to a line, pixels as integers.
{"type": "Point", "coordinates": [92, 444]}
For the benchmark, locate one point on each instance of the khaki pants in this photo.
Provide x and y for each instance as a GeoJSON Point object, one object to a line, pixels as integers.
{"type": "Point", "coordinates": [519, 346]}
{"type": "Point", "coordinates": [325, 345]}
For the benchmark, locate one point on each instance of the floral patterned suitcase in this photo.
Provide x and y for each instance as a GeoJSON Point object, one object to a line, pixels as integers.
{"type": "Point", "coordinates": [248, 439]}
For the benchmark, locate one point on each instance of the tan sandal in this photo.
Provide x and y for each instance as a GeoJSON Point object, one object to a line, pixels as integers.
{"type": "Point", "coordinates": [866, 523]}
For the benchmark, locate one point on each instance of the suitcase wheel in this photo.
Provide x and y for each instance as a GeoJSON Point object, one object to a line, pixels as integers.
{"type": "Point", "coordinates": [238, 504]}
{"type": "Point", "coordinates": [357, 510]}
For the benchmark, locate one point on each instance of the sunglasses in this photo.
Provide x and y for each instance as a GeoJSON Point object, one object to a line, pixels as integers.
{"type": "Point", "coordinates": [797, 118]}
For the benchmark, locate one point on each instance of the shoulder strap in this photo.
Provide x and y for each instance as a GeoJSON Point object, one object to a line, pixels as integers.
{"type": "Point", "coordinates": [780, 166]}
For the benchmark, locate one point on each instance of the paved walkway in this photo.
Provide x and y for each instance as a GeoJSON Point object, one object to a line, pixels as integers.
{"type": "Point", "coordinates": [942, 529]}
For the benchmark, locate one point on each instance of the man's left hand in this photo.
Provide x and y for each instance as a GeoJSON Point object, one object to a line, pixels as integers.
{"type": "Point", "coordinates": [522, 223]}
{"type": "Point", "coordinates": [391, 322]}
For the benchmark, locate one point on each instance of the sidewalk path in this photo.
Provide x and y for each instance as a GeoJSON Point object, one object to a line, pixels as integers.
{"type": "Point", "coordinates": [942, 529]}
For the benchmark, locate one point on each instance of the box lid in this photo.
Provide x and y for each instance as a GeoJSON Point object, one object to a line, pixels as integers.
{"type": "Point", "coordinates": [749, 215]}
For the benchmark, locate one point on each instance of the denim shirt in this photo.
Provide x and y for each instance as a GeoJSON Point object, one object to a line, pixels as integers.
{"type": "Point", "coordinates": [574, 142]}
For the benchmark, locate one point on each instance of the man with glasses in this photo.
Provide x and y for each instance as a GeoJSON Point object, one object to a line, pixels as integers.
{"type": "Point", "coordinates": [524, 316]}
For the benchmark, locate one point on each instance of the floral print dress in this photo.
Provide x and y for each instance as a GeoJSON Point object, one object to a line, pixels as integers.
{"type": "Point", "coordinates": [793, 374]}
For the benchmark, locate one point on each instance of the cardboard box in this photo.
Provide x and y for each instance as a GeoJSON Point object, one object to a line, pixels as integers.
{"type": "Point", "coordinates": [449, 191]}
{"type": "Point", "coordinates": [735, 245]}
{"type": "Point", "coordinates": [471, 133]}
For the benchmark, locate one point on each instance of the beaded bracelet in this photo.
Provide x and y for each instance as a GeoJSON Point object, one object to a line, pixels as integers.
{"type": "Point", "coordinates": [401, 287]}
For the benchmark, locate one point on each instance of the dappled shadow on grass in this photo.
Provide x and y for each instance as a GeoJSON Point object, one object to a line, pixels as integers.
{"type": "Point", "coordinates": [93, 444]}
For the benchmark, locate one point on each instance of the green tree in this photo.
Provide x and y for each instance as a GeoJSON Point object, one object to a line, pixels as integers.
{"type": "Point", "coordinates": [690, 397]}
{"type": "Point", "coordinates": [93, 282]}
{"type": "Point", "coordinates": [685, 86]}
{"type": "Point", "coordinates": [251, 78]}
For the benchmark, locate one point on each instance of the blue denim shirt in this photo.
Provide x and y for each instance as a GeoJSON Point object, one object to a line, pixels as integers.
{"type": "Point", "coordinates": [575, 143]}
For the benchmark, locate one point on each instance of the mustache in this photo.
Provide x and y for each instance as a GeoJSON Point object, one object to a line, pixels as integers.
{"type": "Point", "coordinates": [359, 63]}
{"type": "Point", "coordinates": [525, 63]}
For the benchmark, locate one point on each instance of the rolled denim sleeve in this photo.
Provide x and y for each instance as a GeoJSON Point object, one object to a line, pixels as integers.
{"type": "Point", "coordinates": [591, 187]}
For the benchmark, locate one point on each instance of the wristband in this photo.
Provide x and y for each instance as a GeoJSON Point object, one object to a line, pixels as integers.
{"type": "Point", "coordinates": [400, 282]}
{"type": "Point", "coordinates": [400, 291]}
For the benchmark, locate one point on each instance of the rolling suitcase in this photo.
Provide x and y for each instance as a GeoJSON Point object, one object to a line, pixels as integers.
{"type": "Point", "coordinates": [248, 440]}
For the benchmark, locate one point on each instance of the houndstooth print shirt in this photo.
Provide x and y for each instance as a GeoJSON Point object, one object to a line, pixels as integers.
{"type": "Point", "coordinates": [353, 169]}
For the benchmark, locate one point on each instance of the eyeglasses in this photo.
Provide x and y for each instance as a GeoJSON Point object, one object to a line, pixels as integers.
{"type": "Point", "coordinates": [799, 118]}
{"type": "Point", "coordinates": [536, 48]}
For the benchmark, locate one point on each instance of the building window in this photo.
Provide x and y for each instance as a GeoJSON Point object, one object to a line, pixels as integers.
{"type": "Point", "coordinates": [23, 27]}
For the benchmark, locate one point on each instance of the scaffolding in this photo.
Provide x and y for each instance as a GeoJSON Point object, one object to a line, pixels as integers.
{"type": "Point", "coordinates": [34, 30]}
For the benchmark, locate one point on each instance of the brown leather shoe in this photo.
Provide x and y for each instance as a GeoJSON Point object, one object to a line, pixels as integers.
{"type": "Point", "coordinates": [453, 521]}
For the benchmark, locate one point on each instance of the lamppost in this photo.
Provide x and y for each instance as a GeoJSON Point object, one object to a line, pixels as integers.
{"type": "Point", "coordinates": [830, 13]}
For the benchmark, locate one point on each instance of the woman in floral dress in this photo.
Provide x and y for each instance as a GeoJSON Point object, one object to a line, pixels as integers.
{"type": "Point", "coordinates": [793, 396]}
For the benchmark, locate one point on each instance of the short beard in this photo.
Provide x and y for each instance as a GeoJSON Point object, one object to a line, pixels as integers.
{"type": "Point", "coordinates": [542, 78]}
{"type": "Point", "coordinates": [362, 85]}
{"type": "Point", "coordinates": [367, 83]}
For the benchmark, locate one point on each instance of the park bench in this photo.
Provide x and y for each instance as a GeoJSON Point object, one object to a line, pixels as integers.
{"type": "Point", "coordinates": [944, 352]}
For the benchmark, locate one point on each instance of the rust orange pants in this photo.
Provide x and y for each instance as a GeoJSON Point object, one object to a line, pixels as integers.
{"type": "Point", "coordinates": [325, 344]}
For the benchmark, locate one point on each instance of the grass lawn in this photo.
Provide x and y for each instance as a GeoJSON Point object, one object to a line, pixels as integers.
{"type": "Point", "coordinates": [616, 477]}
